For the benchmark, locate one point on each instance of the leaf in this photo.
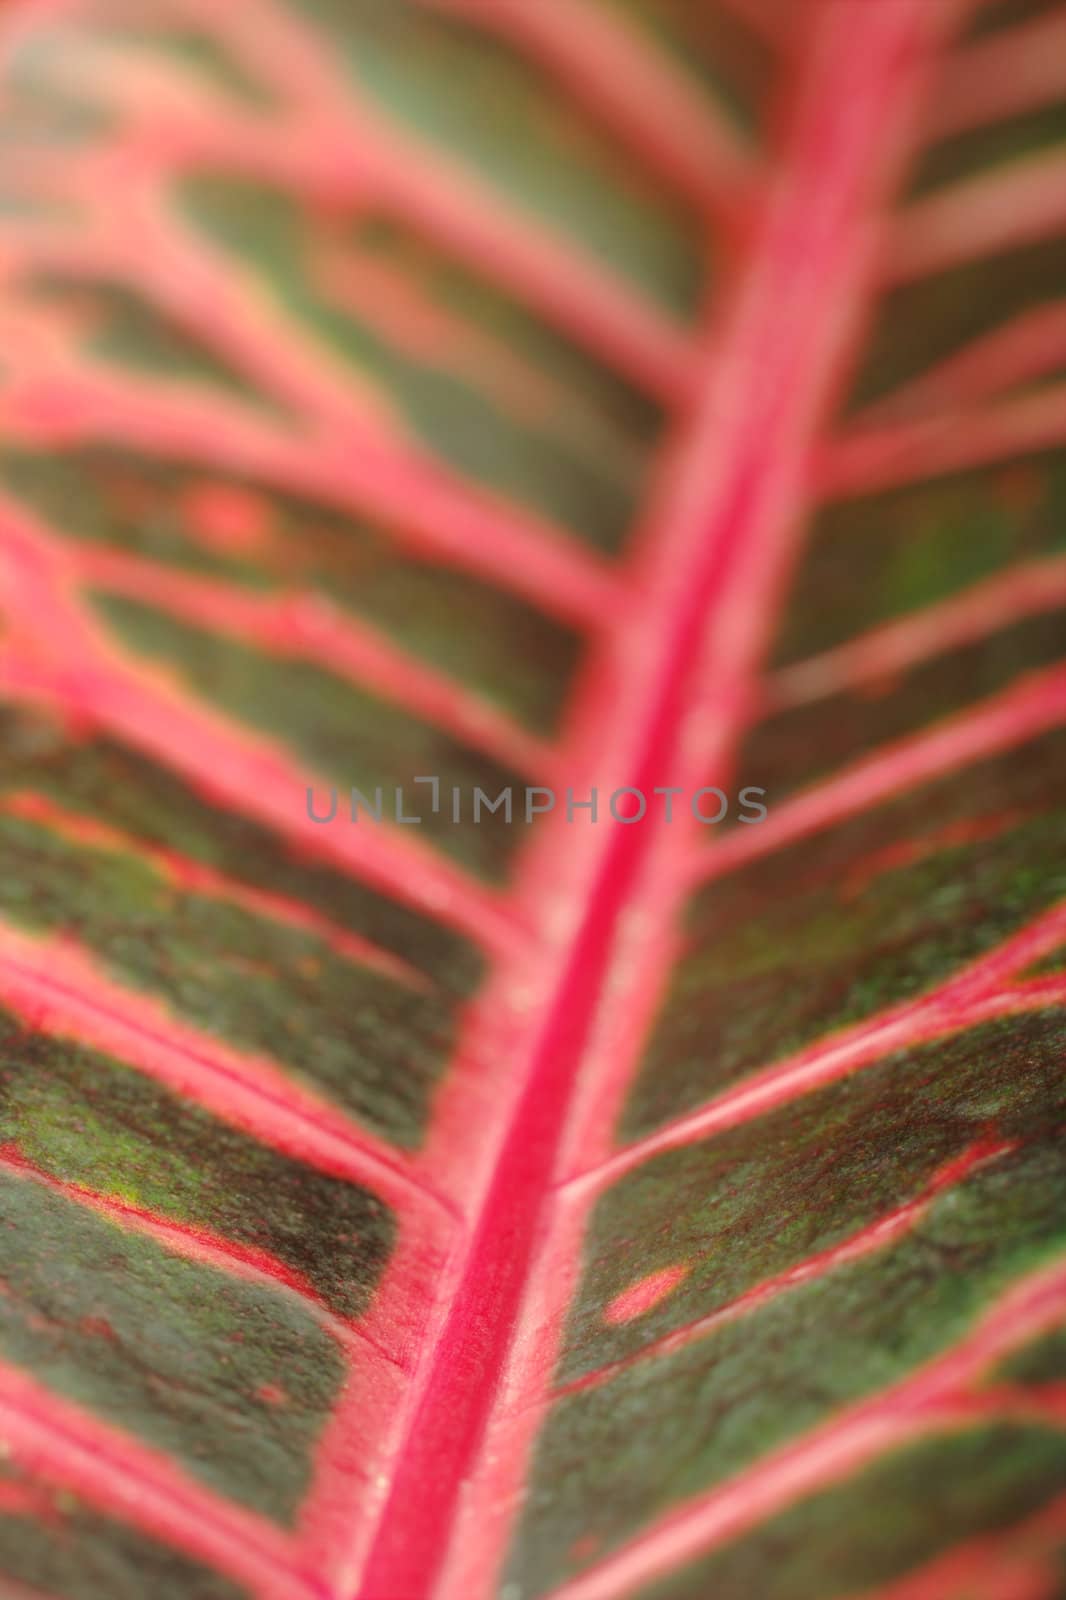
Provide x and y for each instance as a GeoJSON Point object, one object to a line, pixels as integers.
{"type": "Point", "coordinates": [616, 394]}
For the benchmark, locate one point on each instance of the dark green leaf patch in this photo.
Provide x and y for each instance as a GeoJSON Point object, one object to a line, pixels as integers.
{"type": "Point", "coordinates": [614, 1458]}
{"type": "Point", "coordinates": [111, 783]}
{"type": "Point", "coordinates": [342, 732]}
{"type": "Point", "coordinates": [836, 927]}
{"type": "Point", "coordinates": [230, 1378]}
{"type": "Point", "coordinates": [799, 746]}
{"type": "Point", "coordinates": [1000, 14]}
{"type": "Point", "coordinates": [732, 64]}
{"type": "Point", "coordinates": [86, 1119]}
{"type": "Point", "coordinates": [483, 103]}
{"type": "Point", "coordinates": [754, 1201]}
{"type": "Point", "coordinates": [58, 1545]}
{"type": "Point", "coordinates": [875, 558]}
{"type": "Point", "coordinates": [936, 316]}
{"type": "Point", "coordinates": [126, 329]}
{"type": "Point", "coordinates": [1041, 1361]}
{"type": "Point", "coordinates": [374, 1044]}
{"type": "Point", "coordinates": [565, 440]}
{"type": "Point", "coordinates": [897, 1516]}
{"type": "Point", "coordinates": [204, 523]}
{"type": "Point", "coordinates": [976, 150]}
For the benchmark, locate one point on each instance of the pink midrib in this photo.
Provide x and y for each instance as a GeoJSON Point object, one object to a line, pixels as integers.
{"type": "Point", "coordinates": [462, 1375]}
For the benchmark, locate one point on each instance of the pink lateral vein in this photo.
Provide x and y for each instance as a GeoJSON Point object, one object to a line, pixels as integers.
{"type": "Point", "coordinates": [192, 1243]}
{"type": "Point", "coordinates": [982, 991]}
{"type": "Point", "coordinates": [636, 91]}
{"type": "Point", "coordinates": [959, 1572]}
{"type": "Point", "coordinates": [938, 1396]}
{"type": "Point", "coordinates": [305, 625]}
{"type": "Point", "coordinates": [1019, 70]}
{"type": "Point", "coordinates": [192, 877]}
{"type": "Point", "coordinates": [114, 1471]}
{"type": "Point", "coordinates": [59, 989]}
{"type": "Point", "coordinates": [1021, 203]}
{"type": "Point", "coordinates": [56, 651]}
{"type": "Point", "coordinates": [1029, 346]}
{"type": "Point", "coordinates": [1027, 589]}
{"type": "Point", "coordinates": [866, 460]}
{"type": "Point", "coordinates": [1033, 705]}
{"type": "Point", "coordinates": [876, 1235]}
{"type": "Point", "coordinates": [333, 143]}
{"type": "Point", "coordinates": [771, 21]}
{"type": "Point", "coordinates": [72, 400]}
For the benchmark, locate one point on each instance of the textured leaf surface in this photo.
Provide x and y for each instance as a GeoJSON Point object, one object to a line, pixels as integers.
{"type": "Point", "coordinates": [629, 393]}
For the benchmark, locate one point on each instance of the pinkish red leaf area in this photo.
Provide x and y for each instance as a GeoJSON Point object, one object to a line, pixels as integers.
{"type": "Point", "coordinates": [556, 396]}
